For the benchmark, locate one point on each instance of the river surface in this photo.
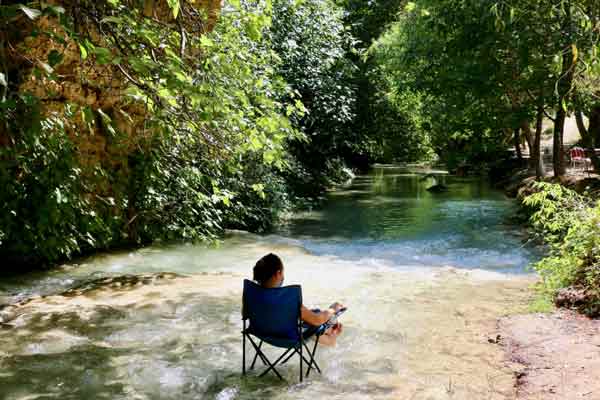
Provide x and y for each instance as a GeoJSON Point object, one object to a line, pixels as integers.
{"type": "Point", "coordinates": [424, 275]}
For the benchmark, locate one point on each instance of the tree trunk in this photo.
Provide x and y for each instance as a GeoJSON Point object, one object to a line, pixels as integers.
{"type": "Point", "coordinates": [517, 143]}
{"type": "Point", "coordinates": [594, 128]}
{"type": "Point", "coordinates": [536, 155]}
{"type": "Point", "coordinates": [526, 129]}
{"type": "Point", "coordinates": [588, 140]}
{"type": "Point", "coordinates": [558, 158]}
{"type": "Point", "coordinates": [565, 83]}
{"type": "Point", "coordinates": [149, 8]}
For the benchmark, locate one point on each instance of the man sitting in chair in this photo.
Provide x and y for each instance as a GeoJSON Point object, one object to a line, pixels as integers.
{"type": "Point", "coordinates": [268, 272]}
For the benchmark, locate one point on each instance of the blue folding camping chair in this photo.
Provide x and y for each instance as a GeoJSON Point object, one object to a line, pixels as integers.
{"type": "Point", "coordinates": [274, 318]}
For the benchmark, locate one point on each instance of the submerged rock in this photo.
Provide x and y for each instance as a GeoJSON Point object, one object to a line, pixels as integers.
{"type": "Point", "coordinates": [122, 282]}
{"type": "Point", "coordinates": [10, 312]}
{"type": "Point", "coordinates": [439, 188]}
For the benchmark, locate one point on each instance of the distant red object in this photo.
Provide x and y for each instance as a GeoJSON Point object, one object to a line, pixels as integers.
{"type": "Point", "coordinates": [577, 155]}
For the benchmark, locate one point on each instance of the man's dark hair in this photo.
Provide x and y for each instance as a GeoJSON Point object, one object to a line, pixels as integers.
{"type": "Point", "coordinates": [266, 267]}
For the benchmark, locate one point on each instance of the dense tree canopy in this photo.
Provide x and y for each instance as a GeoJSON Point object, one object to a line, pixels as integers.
{"type": "Point", "coordinates": [133, 121]}
{"type": "Point", "coordinates": [487, 71]}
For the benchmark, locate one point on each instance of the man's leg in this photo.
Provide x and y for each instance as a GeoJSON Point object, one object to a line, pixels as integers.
{"type": "Point", "coordinates": [330, 336]}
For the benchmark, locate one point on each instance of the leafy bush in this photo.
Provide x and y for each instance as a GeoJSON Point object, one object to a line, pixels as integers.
{"type": "Point", "coordinates": [207, 155]}
{"type": "Point", "coordinates": [570, 224]}
{"type": "Point", "coordinates": [49, 211]}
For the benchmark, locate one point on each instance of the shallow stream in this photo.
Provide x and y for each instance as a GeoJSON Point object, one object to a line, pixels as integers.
{"type": "Point", "coordinates": [424, 275]}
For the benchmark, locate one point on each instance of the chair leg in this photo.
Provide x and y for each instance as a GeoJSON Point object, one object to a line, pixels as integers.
{"type": "Point", "coordinates": [288, 357]}
{"type": "Point", "coordinates": [272, 366]}
{"type": "Point", "coordinates": [256, 355]}
{"type": "Point", "coordinates": [259, 353]}
{"type": "Point", "coordinates": [296, 351]}
{"type": "Point", "coordinates": [265, 360]}
{"type": "Point", "coordinates": [244, 350]}
{"type": "Point", "coordinates": [312, 357]}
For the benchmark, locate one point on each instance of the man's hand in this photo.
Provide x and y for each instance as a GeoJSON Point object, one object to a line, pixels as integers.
{"type": "Point", "coordinates": [336, 306]}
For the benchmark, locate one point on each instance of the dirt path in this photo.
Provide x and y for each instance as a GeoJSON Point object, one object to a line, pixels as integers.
{"type": "Point", "coordinates": [555, 356]}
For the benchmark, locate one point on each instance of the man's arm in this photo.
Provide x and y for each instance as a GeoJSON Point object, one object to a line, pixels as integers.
{"type": "Point", "coordinates": [314, 318]}
{"type": "Point", "coordinates": [321, 317]}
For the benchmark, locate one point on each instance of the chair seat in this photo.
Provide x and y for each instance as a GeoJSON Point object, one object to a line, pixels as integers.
{"type": "Point", "coordinates": [286, 343]}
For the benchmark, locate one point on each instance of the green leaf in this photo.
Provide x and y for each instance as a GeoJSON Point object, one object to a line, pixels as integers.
{"type": "Point", "coordinates": [54, 58]}
{"type": "Point", "coordinates": [206, 42]}
{"type": "Point", "coordinates": [83, 51]}
{"type": "Point", "coordinates": [289, 110]}
{"type": "Point", "coordinates": [32, 13]}
{"type": "Point", "coordinates": [174, 5]}
{"type": "Point", "coordinates": [410, 6]}
{"type": "Point", "coordinates": [56, 10]}
{"type": "Point", "coordinates": [114, 20]}
{"type": "Point", "coordinates": [103, 55]}
{"type": "Point", "coordinates": [259, 189]}
{"type": "Point", "coordinates": [255, 143]}
{"type": "Point", "coordinates": [59, 196]}
{"type": "Point", "coordinates": [253, 30]}
{"type": "Point", "coordinates": [139, 65]}
{"type": "Point", "coordinates": [88, 115]}
{"type": "Point", "coordinates": [269, 156]}
{"type": "Point", "coordinates": [107, 123]}
{"type": "Point", "coordinates": [104, 116]}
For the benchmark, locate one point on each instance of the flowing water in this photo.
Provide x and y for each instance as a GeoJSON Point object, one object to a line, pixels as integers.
{"type": "Point", "coordinates": [424, 275]}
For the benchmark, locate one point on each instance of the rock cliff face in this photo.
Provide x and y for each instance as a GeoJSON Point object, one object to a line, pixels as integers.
{"type": "Point", "coordinates": [83, 82]}
{"type": "Point", "coordinates": [87, 83]}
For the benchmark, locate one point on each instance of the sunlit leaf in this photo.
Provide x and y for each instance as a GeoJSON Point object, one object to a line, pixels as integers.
{"type": "Point", "coordinates": [49, 70]}
{"type": "Point", "coordinates": [111, 19]}
{"type": "Point", "coordinates": [83, 52]}
{"type": "Point", "coordinates": [174, 5]}
{"type": "Point", "coordinates": [32, 13]}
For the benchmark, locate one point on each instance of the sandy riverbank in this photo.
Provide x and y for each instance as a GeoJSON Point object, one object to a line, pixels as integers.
{"type": "Point", "coordinates": [554, 356]}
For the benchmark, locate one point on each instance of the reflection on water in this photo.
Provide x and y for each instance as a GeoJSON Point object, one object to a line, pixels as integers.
{"type": "Point", "coordinates": [389, 215]}
{"type": "Point", "coordinates": [415, 329]}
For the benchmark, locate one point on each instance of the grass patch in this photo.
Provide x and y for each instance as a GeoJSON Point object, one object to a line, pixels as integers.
{"type": "Point", "coordinates": [541, 303]}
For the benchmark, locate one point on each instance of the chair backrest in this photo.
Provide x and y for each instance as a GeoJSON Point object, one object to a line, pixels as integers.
{"type": "Point", "coordinates": [273, 312]}
{"type": "Point", "coordinates": [577, 153]}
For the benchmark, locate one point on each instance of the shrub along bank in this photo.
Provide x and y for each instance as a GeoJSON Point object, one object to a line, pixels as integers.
{"type": "Point", "coordinates": [126, 122]}
{"type": "Point", "coordinates": [570, 224]}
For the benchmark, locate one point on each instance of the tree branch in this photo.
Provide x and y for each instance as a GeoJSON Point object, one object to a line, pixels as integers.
{"type": "Point", "coordinates": [545, 112]}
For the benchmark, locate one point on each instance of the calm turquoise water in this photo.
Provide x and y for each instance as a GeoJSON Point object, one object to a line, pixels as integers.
{"type": "Point", "coordinates": [389, 215]}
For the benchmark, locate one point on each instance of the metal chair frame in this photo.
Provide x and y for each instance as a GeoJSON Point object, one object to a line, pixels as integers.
{"type": "Point", "coordinates": [283, 358]}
